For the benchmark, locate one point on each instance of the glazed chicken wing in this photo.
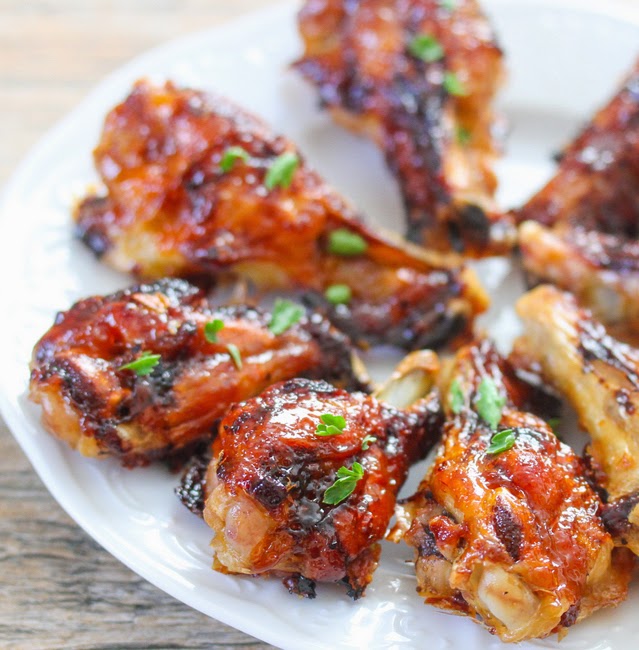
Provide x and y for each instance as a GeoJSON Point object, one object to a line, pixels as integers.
{"type": "Point", "coordinates": [583, 226]}
{"type": "Point", "coordinates": [304, 480]}
{"type": "Point", "coordinates": [418, 78]}
{"type": "Point", "coordinates": [505, 526]}
{"type": "Point", "coordinates": [182, 376]}
{"type": "Point", "coordinates": [196, 186]}
{"type": "Point", "coordinates": [600, 378]}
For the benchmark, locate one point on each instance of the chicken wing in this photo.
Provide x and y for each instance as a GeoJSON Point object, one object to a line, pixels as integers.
{"type": "Point", "coordinates": [505, 525]}
{"type": "Point", "coordinates": [196, 186]}
{"type": "Point", "coordinates": [584, 224]}
{"type": "Point", "coordinates": [418, 78]}
{"type": "Point", "coordinates": [305, 476]}
{"type": "Point", "coordinates": [600, 377]}
{"type": "Point", "coordinates": [144, 373]}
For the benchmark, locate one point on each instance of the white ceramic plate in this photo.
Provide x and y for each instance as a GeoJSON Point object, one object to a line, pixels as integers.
{"type": "Point", "coordinates": [565, 59]}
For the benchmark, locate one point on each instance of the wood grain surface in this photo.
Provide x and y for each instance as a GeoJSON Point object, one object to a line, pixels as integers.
{"type": "Point", "coordinates": [58, 588]}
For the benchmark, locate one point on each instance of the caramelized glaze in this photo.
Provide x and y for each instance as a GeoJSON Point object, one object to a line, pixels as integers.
{"type": "Point", "coordinates": [171, 210]}
{"type": "Point", "coordinates": [101, 409]}
{"type": "Point", "coordinates": [439, 145]}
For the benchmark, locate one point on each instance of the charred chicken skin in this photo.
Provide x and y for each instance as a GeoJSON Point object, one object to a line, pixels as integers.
{"type": "Point", "coordinates": [196, 186]}
{"type": "Point", "coordinates": [582, 230]}
{"type": "Point", "coordinates": [418, 79]}
{"type": "Point", "coordinates": [287, 499]}
{"type": "Point", "coordinates": [506, 528]}
{"type": "Point", "coordinates": [180, 381]}
{"type": "Point", "coordinates": [600, 377]}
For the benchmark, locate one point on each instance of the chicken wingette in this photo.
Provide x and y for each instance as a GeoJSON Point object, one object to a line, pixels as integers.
{"type": "Point", "coordinates": [197, 186]}
{"type": "Point", "coordinates": [600, 377]}
{"type": "Point", "coordinates": [581, 231]}
{"type": "Point", "coordinates": [145, 373]}
{"type": "Point", "coordinates": [304, 477]}
{"type": "Point", "coordinates": [505, 526]}
{"type": "Point", "coordinates": [418, 78]}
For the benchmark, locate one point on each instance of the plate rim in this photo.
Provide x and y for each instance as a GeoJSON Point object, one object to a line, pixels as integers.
{"type": "Point", "coordinates": [104, 89]}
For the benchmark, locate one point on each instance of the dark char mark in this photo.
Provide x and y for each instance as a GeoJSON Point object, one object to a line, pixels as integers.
{"type": "Point", "coordinates": [192, 487]}
{"type": "Point", "coordinates": [508, 528]}
{"type": "Point", "coordinates": [596, 345]}
{"type": "Point", "coordinates": [615, 515]}
{"type": "Point", "coordinates": [299, 585]}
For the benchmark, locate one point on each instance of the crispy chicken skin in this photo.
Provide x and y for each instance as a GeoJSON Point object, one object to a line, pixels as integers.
{"type": "Point", "coordinates": [171, 210]}
{"type": "Point", "coordinates": [100, 409]}
{"type": "Point", "coordinates": [438, 144]}
{"type": "Point", "coordinates": [600, 377]}
{"type": "Point", "coordinates": [512, 539]}
{"type": "Point", "coordinates": [583, 225]}
{"type": "Point", "coordinates": [271, 471]}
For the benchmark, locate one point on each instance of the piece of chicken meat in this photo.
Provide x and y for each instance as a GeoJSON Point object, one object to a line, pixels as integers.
{"type": "Point", "coordinates": [197, 186]}
{"type": "Point", "coordinates": [304, 478]}
{"type": "Point", "coordinates": [581, 231]}
{"type": "Point", "coordinates": [146, 373]}
{"type": "Point", "coordinates": [418, 78]}
{"type": "Point", "coordinates": [505, 526]}
{"type": "Point", "coordinates": [600, 377]}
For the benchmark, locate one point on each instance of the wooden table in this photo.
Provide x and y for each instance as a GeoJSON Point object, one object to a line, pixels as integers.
{"type": "Point", "coordinates": [58, 588]}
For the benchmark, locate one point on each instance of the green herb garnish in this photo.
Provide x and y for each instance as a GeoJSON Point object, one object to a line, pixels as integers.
{"type": "Point", "coordinates": [234, 351]}
{"type": "Point", "coordinates": [426, 47]}
{"type": "Point", "coordinates": [231, 156]}
{"type": "Point", "coordinates": [331, 425]}
{"type": "Point", "coordinates": [462, 135]}
{"type": "Point", "coordinates": [285, 314]}
{"type": "Point", "coordinates": [554, 423]}
{"type": "Point", "coordinates": [489, 402]}
{"type": "Point", "coordinates": [502, 441]}
{"type": "Point", "coordinates": [143, 365]}
{"type": "Point", "coordinates": [453, 85]}
{"type": "Point", "coordinates": [344, 485]}
{"type": "Point", "coordinates": [367, 441]}
{"type": "Point", "coordinates": [346, 243]}
{"type": "Point", "coordinates": [211, 329]}
{"type": "Point", "coordinates": [281, 172]}
{"type": "Point", "coordinates": [450, 5]}
{"type": "Point", "coordinates": [339, 294]}
{"type": "Point", "coordinates": [456, 397]}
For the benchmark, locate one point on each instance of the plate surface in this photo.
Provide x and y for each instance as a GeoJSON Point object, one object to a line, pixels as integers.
{"type": "Point", "coordinates": [565, 59]}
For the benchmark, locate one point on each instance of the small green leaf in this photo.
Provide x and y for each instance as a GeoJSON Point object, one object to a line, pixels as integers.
{"type": "Point", "coordinates": [331, 425]}
{"type": "Point", "coordinates": [462, 135]}
{"type": "Point", "coordinates": [456, 397]}
{"type": "Point", "coordinates": [285, 314]}
{"type": "Point", "coordinates": [282, 171]}
{"type": "Point", "coordinates": [234, 351]}
{"type": "Point", "coordinates": [345, 484]}
{"type": "Point", "coordinates": [453, 85]}
{"type": "Point", "coordinates": [231, 156]}
{"type": "Point", "coordinates": [489, 403]}
{"type": "Point", "coordinates": [339, 294]}
{"type": "Point", "coordinates": [212, 328]}
{"type": "Point", "coordinates": [346, 243]}
{"type": "Point", "coordinates": [367, 441]}
{"type": "Point", "coordinates": [502, 441]}
{"type": "Point", "coordinates": [143, 365]}
{"type": "Point", "coordinates": [449, 5]}
{"type": "Point", "coordinates": [426, 47]}
{"type": "Point", "coordinates": [554, 423]}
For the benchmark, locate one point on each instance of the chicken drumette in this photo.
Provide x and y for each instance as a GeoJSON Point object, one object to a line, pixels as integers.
{"type": "Point", "coordinates": [418, 78]}
{"type": "Point", "coordinates": [305, 476]}
{"type": "Point", "coordinates": [581, 231]}
{"type": "Point", "coordinates": [196, 186]}
{"type": "Point", "coordinates": [600, 377]}
{"type": "Point", "coordinates": [144, 373]}
{"type": "Point", "coordinates": [506, 528]}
